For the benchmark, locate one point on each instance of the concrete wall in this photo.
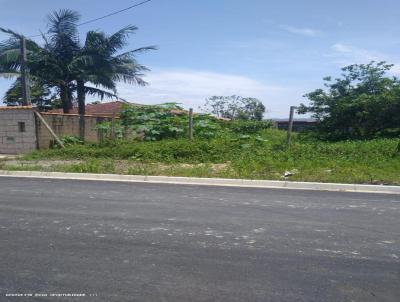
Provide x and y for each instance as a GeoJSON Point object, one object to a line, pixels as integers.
{"type": "Point", "coordinates": [14, 139]}
{"type": "Point", "coordinates": [67, 125]}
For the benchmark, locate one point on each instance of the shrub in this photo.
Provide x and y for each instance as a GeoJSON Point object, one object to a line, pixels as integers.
{"type": "Point", "coordinates": [245, 127]}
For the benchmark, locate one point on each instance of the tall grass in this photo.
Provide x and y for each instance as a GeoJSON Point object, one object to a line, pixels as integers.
{"type": "Point", "coordinates": [262, 155]}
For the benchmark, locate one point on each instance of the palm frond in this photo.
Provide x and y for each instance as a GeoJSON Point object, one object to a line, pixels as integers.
{"type": "Point", "coordinates": [130, 79]}
{"type": "Point", "coordinates": [11, 43]}
{"type": "Point", "coordinates": [104, 81]}
{"type": "Point", "coordinates": [63, 33]}
{"type": "Point", "coordinates": [101, 93]}
{"type": "Point", "coordinates": [83, 62]}
{"type": "Point", "coordinates": [10, 56]}
{"type": "Point", "coordinates": [130, 53]}
{"type": "Point", "coordinates": [63, 22]}
{"type": "Point", "coordinates": [15, 41]}
{"type": "Point", "coordinates": [117, 40]}
{"type": "Point", "coordinates": [10, 67]}
{"type": "Point", "coordinates": [130, 67]}
{"type": "Point", "coordinates": [95, 40]}
{"type": "Point", "coordinates": [10, 32]}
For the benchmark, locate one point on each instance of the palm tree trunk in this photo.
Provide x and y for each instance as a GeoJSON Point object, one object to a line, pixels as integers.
{"type": "Point", "coordinates": [64, 98]}
{"type": "Point", "coordinates": [81, 107]}
{"type": "Point", "coordinates": [69, 93]}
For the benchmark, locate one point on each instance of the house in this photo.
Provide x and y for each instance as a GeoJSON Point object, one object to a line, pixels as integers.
{"type": "Point", "coordinates": [98, 109]}
{"type": "Point", "coordinates": [299, 125]}
{"type": "Point", "coordinates": [109, 109]}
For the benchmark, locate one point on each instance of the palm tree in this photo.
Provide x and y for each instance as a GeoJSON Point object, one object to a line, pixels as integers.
{"type": "Point", "coordinates": [99, 63]}
{"type": "Point", "coordinates": [63, 63]}
{"type": "Point", "coordinates": [61, 46]}
{"type": "Point", "coordinates": [42, 62]}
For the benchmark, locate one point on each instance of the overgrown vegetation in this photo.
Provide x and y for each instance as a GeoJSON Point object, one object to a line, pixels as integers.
{"type": "Point", "coordinates": [364, 103]}
{"type": "Point", "coordinates": [169, 120]}
{"type": "Point", "coordinates": [259, 155]}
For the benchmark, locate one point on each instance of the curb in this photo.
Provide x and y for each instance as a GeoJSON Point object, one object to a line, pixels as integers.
{"type": "Point", "coordinates": [275, 184]}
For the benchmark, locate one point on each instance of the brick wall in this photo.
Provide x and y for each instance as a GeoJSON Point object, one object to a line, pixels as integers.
{"type": "Point", "coordinates": [17, 138]}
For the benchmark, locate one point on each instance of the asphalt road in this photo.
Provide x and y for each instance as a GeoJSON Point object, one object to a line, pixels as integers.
{"type": "Point", "coordinates": [150, 242]}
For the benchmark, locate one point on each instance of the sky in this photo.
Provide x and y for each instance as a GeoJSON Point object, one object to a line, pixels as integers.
{"type": "Point", "coordinates": [276, 51]}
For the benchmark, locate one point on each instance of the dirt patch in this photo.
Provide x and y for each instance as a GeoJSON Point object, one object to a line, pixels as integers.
{"type": "Point", "coordinates": [124, 167]}
{"type": "Point", "coordinates": [118, 166]}
{"type": "Point", "coordinates": [41, 163]}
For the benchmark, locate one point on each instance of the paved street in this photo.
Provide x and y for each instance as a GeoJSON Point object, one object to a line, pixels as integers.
{"type": "Point", "coordinates": [151, 242]}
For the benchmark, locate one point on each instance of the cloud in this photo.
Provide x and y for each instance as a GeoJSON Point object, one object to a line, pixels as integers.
{"type": "Point", "coordinates": [309, 32]}
{"type": "Point", "coordinates": [396, 69]}
{"type": "Point", "coordinates": [346, 54]}
{"type": "Point", "coordinates": [261, 44]}
{"type": "Point", "coordinates": [355, 53]}
{"type": "Point", "coordinates": [191, 88]}
{"type": "Point", "coordinates": [342, 48]}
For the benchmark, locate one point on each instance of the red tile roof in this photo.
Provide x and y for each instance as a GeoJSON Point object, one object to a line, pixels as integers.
{"type": "Point", "coordinates": [106, 109]}
{"type": "Point", "coordinates": [101, 109]}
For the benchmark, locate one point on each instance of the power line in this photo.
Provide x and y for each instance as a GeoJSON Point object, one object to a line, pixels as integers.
{"type": "Point", "coordinates": [114, 13]}
{"type": "Point", "coordinates": [105, 16]}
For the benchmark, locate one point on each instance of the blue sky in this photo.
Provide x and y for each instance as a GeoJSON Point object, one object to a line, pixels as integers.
{"type": "Point", "coordinates": [273, 50]}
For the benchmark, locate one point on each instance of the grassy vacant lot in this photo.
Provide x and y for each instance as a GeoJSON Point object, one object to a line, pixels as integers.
{"type": "Point", "coordinates": [257, 156]}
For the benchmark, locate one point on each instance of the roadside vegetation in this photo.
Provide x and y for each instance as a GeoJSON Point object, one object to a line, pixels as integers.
{"type": "Point", "coordinates": [259, 155]}
{"type": "Point", "coordinates": [233, 142]}
{"type": "Point", "coordinates": [363, 103]}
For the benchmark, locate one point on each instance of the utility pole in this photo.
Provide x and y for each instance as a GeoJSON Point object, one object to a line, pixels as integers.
{"type": "Point", "coordinates": [26, 91]}
{"type": "Point", "coordinates": [113, 127]}
{"type": "Point", "coordinates": [191, 123]}
{"type": "Point", "coordinates": [290, 126]}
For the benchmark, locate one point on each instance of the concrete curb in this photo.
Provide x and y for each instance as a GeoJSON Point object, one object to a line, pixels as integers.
{"type": "Point", "coordinates": [209, 181]}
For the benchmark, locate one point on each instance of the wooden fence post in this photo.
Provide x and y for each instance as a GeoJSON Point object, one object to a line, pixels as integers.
{"type": "Point", "coordinates": [191, 123]}
{"type": "Point", "coordinates": [290, 126]}
{"type": "Point", "coordinates": [113, 127]}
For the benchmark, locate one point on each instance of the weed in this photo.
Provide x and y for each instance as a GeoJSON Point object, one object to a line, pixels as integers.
{"type": "Point", "coordinates": [262, 155]}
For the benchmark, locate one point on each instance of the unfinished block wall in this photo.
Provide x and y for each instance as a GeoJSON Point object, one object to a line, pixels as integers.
{"type": "Point", "coordinates": [17, 131]}
{"type": "Point", "coordinates": [21, 132]}
{"type": "Point", "coordinates": [67, 125]}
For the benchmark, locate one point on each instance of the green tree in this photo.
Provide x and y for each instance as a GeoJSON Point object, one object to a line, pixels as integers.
{"type": "Point", "coordinates": [40, 95]}
{"type": "Point", "coordinates": [99, 62]}
{"type": "Point", "coordinates": [235, 107]}
{"type": "Point", "coordinates": [47, 63]}
{"type": "Point", "coordinates": [63, 63]}
{"type": "Point", "coordinates": [361, 104]}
